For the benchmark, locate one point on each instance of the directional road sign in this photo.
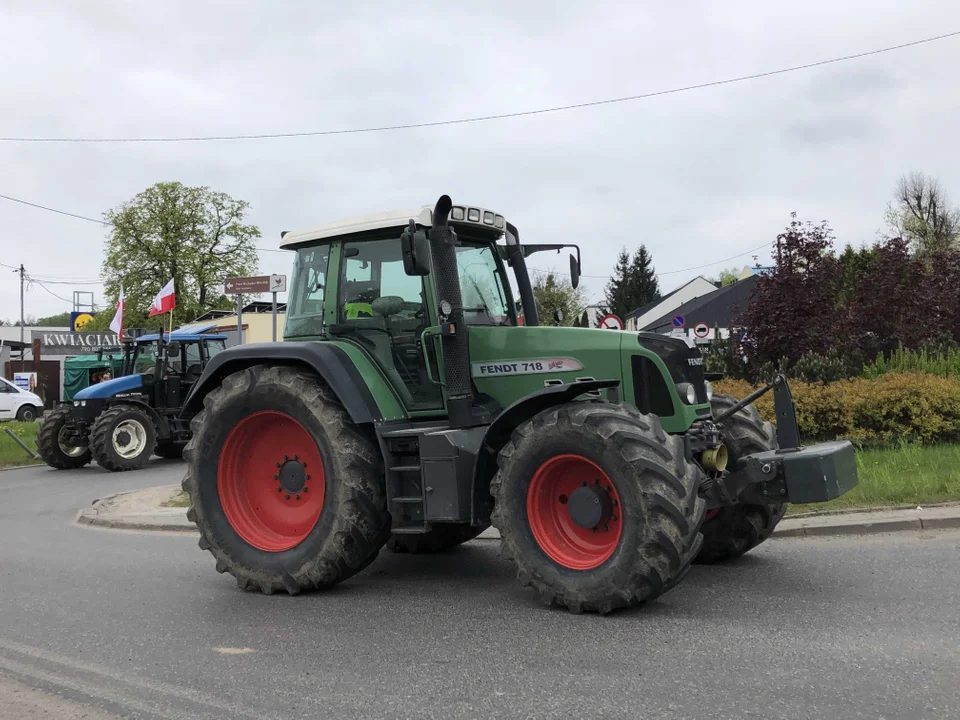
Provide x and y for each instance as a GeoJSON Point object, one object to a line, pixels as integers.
{"type": "Point", "coordinates": [247, 285]}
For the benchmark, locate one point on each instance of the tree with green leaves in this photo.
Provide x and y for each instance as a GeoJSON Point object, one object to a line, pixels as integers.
{"type": "Point", "coordinates": [617, 296]}
{"type": "Point", "coordinates": [551, 293]}
{"type": "Point", "coordinates": [194, 235]}
{"type": "Point", "coordinates": [633, 283]}
{"type": "Point", "coordinates": [726, 277]}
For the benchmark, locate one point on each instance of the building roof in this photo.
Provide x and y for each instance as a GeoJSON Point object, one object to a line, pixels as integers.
{"type": "Point", "coordinates": [717, 308]}
{"type": "Point", "coordinates": [191, 333]}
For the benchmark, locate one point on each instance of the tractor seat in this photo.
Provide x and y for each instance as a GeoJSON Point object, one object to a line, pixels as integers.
{"type": "Point", "coordinates": [193, 372]}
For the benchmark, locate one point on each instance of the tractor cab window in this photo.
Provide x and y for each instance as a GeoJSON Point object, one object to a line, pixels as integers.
{"type": "Point", "coordinates": [144, 358]}
{"type": "Point", "coordinates": [193, 363]}
{"type": "Point", "coordinates": [481, 283]}
{"type": "Point", "coordinates": [305, 308]}
{"type": "Point", "coordinates": [215, 346]}
{"type": "Point", "coordinates": [385, 311]}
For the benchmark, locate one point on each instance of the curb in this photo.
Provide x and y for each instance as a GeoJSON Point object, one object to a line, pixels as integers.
{"type": "Point", "coordinates": [89, 516]}
{"type": "Point", "coordinates": [21, 467]}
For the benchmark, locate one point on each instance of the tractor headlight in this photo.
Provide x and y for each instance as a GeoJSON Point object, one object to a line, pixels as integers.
{"type": "Point", "coordinates": [473, 215]}
{"type": "Point", "coordinates": [83, 403]}
{"type": "Point", "coordinates": [456, 213]}
{"type": "Point", "coordinates": [688, 393]}
{"type": "Point", "coordinates": [709, 387]}
{"type": "Point", "coordinates": [76, 403]}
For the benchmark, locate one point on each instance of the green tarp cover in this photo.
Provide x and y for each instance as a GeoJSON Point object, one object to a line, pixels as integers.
{"type": "Point", "coordinates": [77, 371]}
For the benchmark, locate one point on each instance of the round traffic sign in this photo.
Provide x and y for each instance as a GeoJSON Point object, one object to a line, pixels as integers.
{"type": "Point", "coordinates": [701, 329]}
{"type": "Point", "coordinates": [611, 322]}
{"type": "Point", "coordinates": [679, 321]}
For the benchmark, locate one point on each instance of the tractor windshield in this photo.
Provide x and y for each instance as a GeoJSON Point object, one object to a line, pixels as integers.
{"type": "Point", "coordinates": [144, 358]}
{"type": "Point", "coordinates": [481, 282]}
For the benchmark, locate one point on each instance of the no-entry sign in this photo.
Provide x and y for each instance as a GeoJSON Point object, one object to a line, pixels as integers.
{"type": "Point", "coordinates": [611, 322]}
{"type": "Point", "coordinates": [701, 329]}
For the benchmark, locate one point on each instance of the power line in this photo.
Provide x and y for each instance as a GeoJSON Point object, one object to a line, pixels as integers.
{"type": "Point", "coordinates": [666, 272]}
{"type": "Point", "coordinates": [34, 281]}
{"type": "Point", "coordinates": [484, 118]}
{"type": "Point", "coordinates": [89, 219]}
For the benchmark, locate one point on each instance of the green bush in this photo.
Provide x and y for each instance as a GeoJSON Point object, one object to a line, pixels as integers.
{"type": "Point", "coordinates": [941, 361]}
{"type": "Point", "coordinates": [890, 408]}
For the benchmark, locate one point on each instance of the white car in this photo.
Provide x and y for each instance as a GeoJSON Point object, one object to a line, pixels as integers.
{"type": "Point", "coordinates": [17, 404]}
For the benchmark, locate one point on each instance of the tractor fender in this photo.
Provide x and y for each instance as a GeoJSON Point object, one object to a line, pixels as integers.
{"type": "Point", "coordinates": [327, 360]}
{"type": "Point", "coordinates": [513, 416]}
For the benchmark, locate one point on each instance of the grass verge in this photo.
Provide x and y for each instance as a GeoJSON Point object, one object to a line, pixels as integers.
{"type": "Point", "coordinates": [11, 454]}
{"type": "Point", "coordinates": [904, 475]}
{"type": "Point", "coordinates": [180, 500]}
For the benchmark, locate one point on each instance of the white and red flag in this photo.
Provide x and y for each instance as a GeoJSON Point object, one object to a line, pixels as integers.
{"type": "Point", "coordinates": [165, 301]}
{"type": "Point", "coordinates": [117, 323]}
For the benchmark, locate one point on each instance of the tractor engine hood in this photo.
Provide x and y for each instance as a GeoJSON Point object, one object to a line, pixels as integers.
{"type": "Point", "coordinates": [109, 388]}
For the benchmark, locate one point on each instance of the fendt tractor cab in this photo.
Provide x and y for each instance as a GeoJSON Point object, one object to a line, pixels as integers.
{"type": "Point", "coordinates": [408, 406]}
{"type": "Point", "coordinates": [121, 422]}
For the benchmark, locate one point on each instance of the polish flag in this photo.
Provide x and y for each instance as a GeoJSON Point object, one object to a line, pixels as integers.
{"type": "Point", "coordinates": [117, 323]}
{"type": "Point", "coordinates": [165, 301]}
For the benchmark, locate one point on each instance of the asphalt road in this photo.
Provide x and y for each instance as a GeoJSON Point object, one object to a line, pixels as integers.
{"type": "Point", "coordinates": [140, 625]}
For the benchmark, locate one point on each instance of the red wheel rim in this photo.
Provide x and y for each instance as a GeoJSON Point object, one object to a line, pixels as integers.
{"type": "Point", "coordinates": [270, 480]}
{"type": "Point", "coordinates": [563, 540]}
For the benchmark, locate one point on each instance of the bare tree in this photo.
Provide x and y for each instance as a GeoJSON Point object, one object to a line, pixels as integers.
{"type": "Point", "coordinates": [922, 214]}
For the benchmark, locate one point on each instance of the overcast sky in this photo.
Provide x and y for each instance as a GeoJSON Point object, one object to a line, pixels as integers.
{"type": "Point", "coordinates": [696, 176]}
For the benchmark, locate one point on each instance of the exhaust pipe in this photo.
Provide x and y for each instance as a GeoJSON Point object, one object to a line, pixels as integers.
{"type": "Point", "coordinates": [456, 356]}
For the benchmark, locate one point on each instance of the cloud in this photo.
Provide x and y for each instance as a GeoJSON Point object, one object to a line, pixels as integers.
{"type": "Point", "coordinates": [696, 176]}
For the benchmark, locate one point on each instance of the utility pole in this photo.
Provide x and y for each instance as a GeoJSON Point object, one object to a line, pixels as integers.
{"type": "Point", "coordinates": [22, 346]}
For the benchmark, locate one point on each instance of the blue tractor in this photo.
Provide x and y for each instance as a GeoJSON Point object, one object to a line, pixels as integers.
{"type": "Point", "coordinates": [120, 423]}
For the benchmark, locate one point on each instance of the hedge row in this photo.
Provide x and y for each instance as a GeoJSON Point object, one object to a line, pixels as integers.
{"type": "Point", "coordinates": [885, 409]}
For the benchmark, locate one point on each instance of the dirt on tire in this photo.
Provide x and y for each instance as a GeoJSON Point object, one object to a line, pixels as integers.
{"type": "Point", "coordinates": [48, 442]}
{"type": "Point", "coordinates": [101, 438]}
{"type": "Point", "coordinates": [440, 539]}
{"type": "Point", "coordinates": [353, 523]}
{"type": "Point", "coordinates": [658, 487]}
{"type": "Point", "coordinates": [737, 529]}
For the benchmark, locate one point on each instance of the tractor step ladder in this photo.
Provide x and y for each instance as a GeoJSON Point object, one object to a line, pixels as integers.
{"type": "Point", "coordinates": [405, 498]}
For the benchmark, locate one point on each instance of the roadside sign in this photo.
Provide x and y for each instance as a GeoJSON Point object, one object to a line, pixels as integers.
{"type": "Point", "coordinates": [278, 283]}
{"type": "Point", "coordinates": [611, 322]}
{"type": "Point", "coordinates": [678, 321]}
{"type": "Point", "coordinates": [79, 319]}
{"type": "Point", "coordinates": [701, 330]}
{"type": "Point", "coordinates": [247, 285]}
{"type": "Point", "coordinates": [678, 333]}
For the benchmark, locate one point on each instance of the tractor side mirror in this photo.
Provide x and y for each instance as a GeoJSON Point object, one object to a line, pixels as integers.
{"type": "Point", "coordinates": [173, 348]}
{"type": "Point", "coordinates": [574, 272]}
{"type": "Point", "coordinates": [557, 316]}
{"type": "Point", "coordinates": [415, 251]}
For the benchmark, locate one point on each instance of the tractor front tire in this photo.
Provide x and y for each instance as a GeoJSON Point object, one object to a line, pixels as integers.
{"type": "Point", "coordinates": [53, 450]}
{"type": "Point", "coordinates": [123, 438]}
{"type": "Point", "coordinates": [288, 494]}
{"type": "Point", "coordinates": [169, 450]}
{"type": "Point", "coordinates": [586, 462]}
{"type": "Point", "coordinates": [440, 539]}
{"type": "Point", "coordinates": [734, 530]}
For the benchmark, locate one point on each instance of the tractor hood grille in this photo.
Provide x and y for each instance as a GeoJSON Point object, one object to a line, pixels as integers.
{"type": "Point", "coordinates": [684, 362]}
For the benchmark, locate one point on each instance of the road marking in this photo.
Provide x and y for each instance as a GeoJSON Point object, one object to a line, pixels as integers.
{"type": "Point", "coordinates": [234, 651]}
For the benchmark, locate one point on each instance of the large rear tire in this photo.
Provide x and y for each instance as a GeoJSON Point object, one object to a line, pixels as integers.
{"type": "Point", "coordinates": [734, 530]}
{"type": "Point", "coordinates": [123, 438]}
{"type": "Point", "coordinates": [288, 494]}
{"type": "Point", "coordinates": [51, 444]}
{"type": "Point", "coordinates": [440, 539]}
{"type": "Point", "coordinates": [583, 462]}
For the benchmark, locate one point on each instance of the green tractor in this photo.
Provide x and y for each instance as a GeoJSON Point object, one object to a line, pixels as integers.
{"type": "Point", "coordinates": [409, 407]}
